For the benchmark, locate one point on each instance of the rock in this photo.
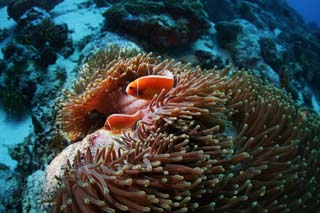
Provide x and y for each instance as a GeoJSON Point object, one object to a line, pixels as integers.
{"type": "Point", "coordinates": [104, 40]}
{"type": "Point", "coordinates": [38, 29]}
{"type": "Point", "coordinates": [208, 59]}
{"type": "Point", "coordinates": [33, 17]}
{"type": "Point", "coordinates": [47, 56]}
{"type": "Point", "coordinates": [102, 3]}
{"type": "Point", "coordinates": [68, 49]}
{"type": "Point", "coordinates": [241, 39]}
{"type": "Point", "coordinates": [189, 58]}
{"type": "Point", "coordinates": [306, 51]}
{"type": "Point", "coordinates": [42, 37]}
{"type": "Point", "coordinates": [205, 53]}
{"type": "Point", "coordinates": [3, 34]}
{"type": "Point", "coordinates": [227, 32]}
{"type": "Point", "coordinates": [257, 32]}
{"type": "Point", "coordinates": [13, 52]}
{"type": "Point", "coordinates": [227, 10]}
{"type": "Point", "coordinates": [4, 3]}
{"type": "Point", "coordinates": [10, 193]}
{"type": "Point", "coordinates": [265, 72]}
{"type": "Point", "coordinates": [2, 66]}
{"type": "Point", "coordinates": [263, 14]}
{"type": "Point", "coordinates": [17, 82]}
{"type": "Point", "coordinates": [17, 8]}
{"type": "Point", "coordinates": [307, 95]}
{"type": "Point", "coordinates": [161, 23]}
{"type": "Point", "coordinates": [37, 126]}
{"type": "Point", "coordinates": [316, 34]}
{"type": "Point", "coordinates": [272, 53]}
{"type": "Point", "coordinates": [290, 75]}
{"type": "Point", "coordinates": [221, 10]}
{"type": "Point", "coordinates": [32, 196]}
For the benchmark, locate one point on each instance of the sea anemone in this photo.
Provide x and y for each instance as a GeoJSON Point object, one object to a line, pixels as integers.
{"type": "Point", "coordinates": [101, 84]}
{"type": "Point", "coordinates": [214, 142]}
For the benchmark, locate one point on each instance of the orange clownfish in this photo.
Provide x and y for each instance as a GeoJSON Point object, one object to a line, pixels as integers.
{"type": "Point", "coordinates": [147, 86]}
{"type": "Point", "coordinates": [119, 122]}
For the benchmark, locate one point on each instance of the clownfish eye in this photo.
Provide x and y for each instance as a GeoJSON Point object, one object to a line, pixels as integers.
{"type": "Point", "coordinates": [131, 88]}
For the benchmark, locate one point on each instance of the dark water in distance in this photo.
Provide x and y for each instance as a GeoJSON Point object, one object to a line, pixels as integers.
{"type": "Point", "coordinates": [309, 9]}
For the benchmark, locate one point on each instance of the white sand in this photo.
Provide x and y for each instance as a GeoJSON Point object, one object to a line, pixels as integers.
{"type": "Point", "coordinates": [8, 24]}
{"type": "Point", "coordinates": [12, 132]}
{"type": "Point", "coordinates": [82, 21]}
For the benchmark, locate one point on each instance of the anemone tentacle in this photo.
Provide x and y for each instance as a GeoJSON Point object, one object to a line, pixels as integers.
{"type": "Point", "coordinates": [215, 142]}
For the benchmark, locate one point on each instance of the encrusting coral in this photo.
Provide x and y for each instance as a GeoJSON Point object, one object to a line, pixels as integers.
{"type": "Point", "coordinates": [212, 143]}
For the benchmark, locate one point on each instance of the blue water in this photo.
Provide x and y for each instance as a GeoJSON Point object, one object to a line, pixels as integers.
{"type": "Point", "coordinates": [309, 9]}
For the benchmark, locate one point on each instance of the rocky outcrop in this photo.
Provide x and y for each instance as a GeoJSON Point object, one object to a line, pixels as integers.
{"type": "Point", "coordinates": [18, 8]}
{"type": "Point", "coordinates": [36, 28]}
{"type": "Point", "coordinates": [160, 23]}
{"type": "Point", "coordinates": [269, 35]}
{"type": "Point", "coordinates": [10, 183]}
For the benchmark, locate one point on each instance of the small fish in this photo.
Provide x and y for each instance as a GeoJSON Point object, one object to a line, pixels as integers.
{"type": "Point", "coordinates": [147, 86]}
{"type": "Point", "coordinates": [119, 122]}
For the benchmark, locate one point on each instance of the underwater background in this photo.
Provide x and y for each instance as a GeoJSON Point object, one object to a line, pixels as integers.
{"type": "Point", "coordinates": [238, 130]}
{"type": "Point", "coordinates": [307, 9]}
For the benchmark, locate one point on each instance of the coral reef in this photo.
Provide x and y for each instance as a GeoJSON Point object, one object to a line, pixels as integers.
{"type": "Point", "coordinates": [102, 43]}
{"type": "Point", "coordinates": [3, 34]}
{"type": "Point", "coordinates": [21, 84]}
{"type": "Point", "coordinates": [37, 29]}
{"type": "Point", "coordinates": [102, 3]}
{"type": "Point", "coordinates": [9, 188]}
{"type": "Point", "coordinates": [238, 145]}
{"type": "Point", "coordinates": [36, 45]}
{"type": "Point", "coordinates": [4, 2]}
{"type": "Point", "coordinates": [214, 142]}
{"type": "Point", "coordinates": [269, 36]}
{"type": "Point", "coordinates": [32, 196]}
{"type": "Point", "coordinates": [16, 88]}
{"type": "Point", "coordinates": [240, 37]}
{"type": "Point", "coordinates": [165, 23]}
{"type": "Point", "coordinates": [19, 7]}
{"type": "Point", "coordinates": [263, 14]}
{"type": "Point", "coordinates": [306, 50]}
